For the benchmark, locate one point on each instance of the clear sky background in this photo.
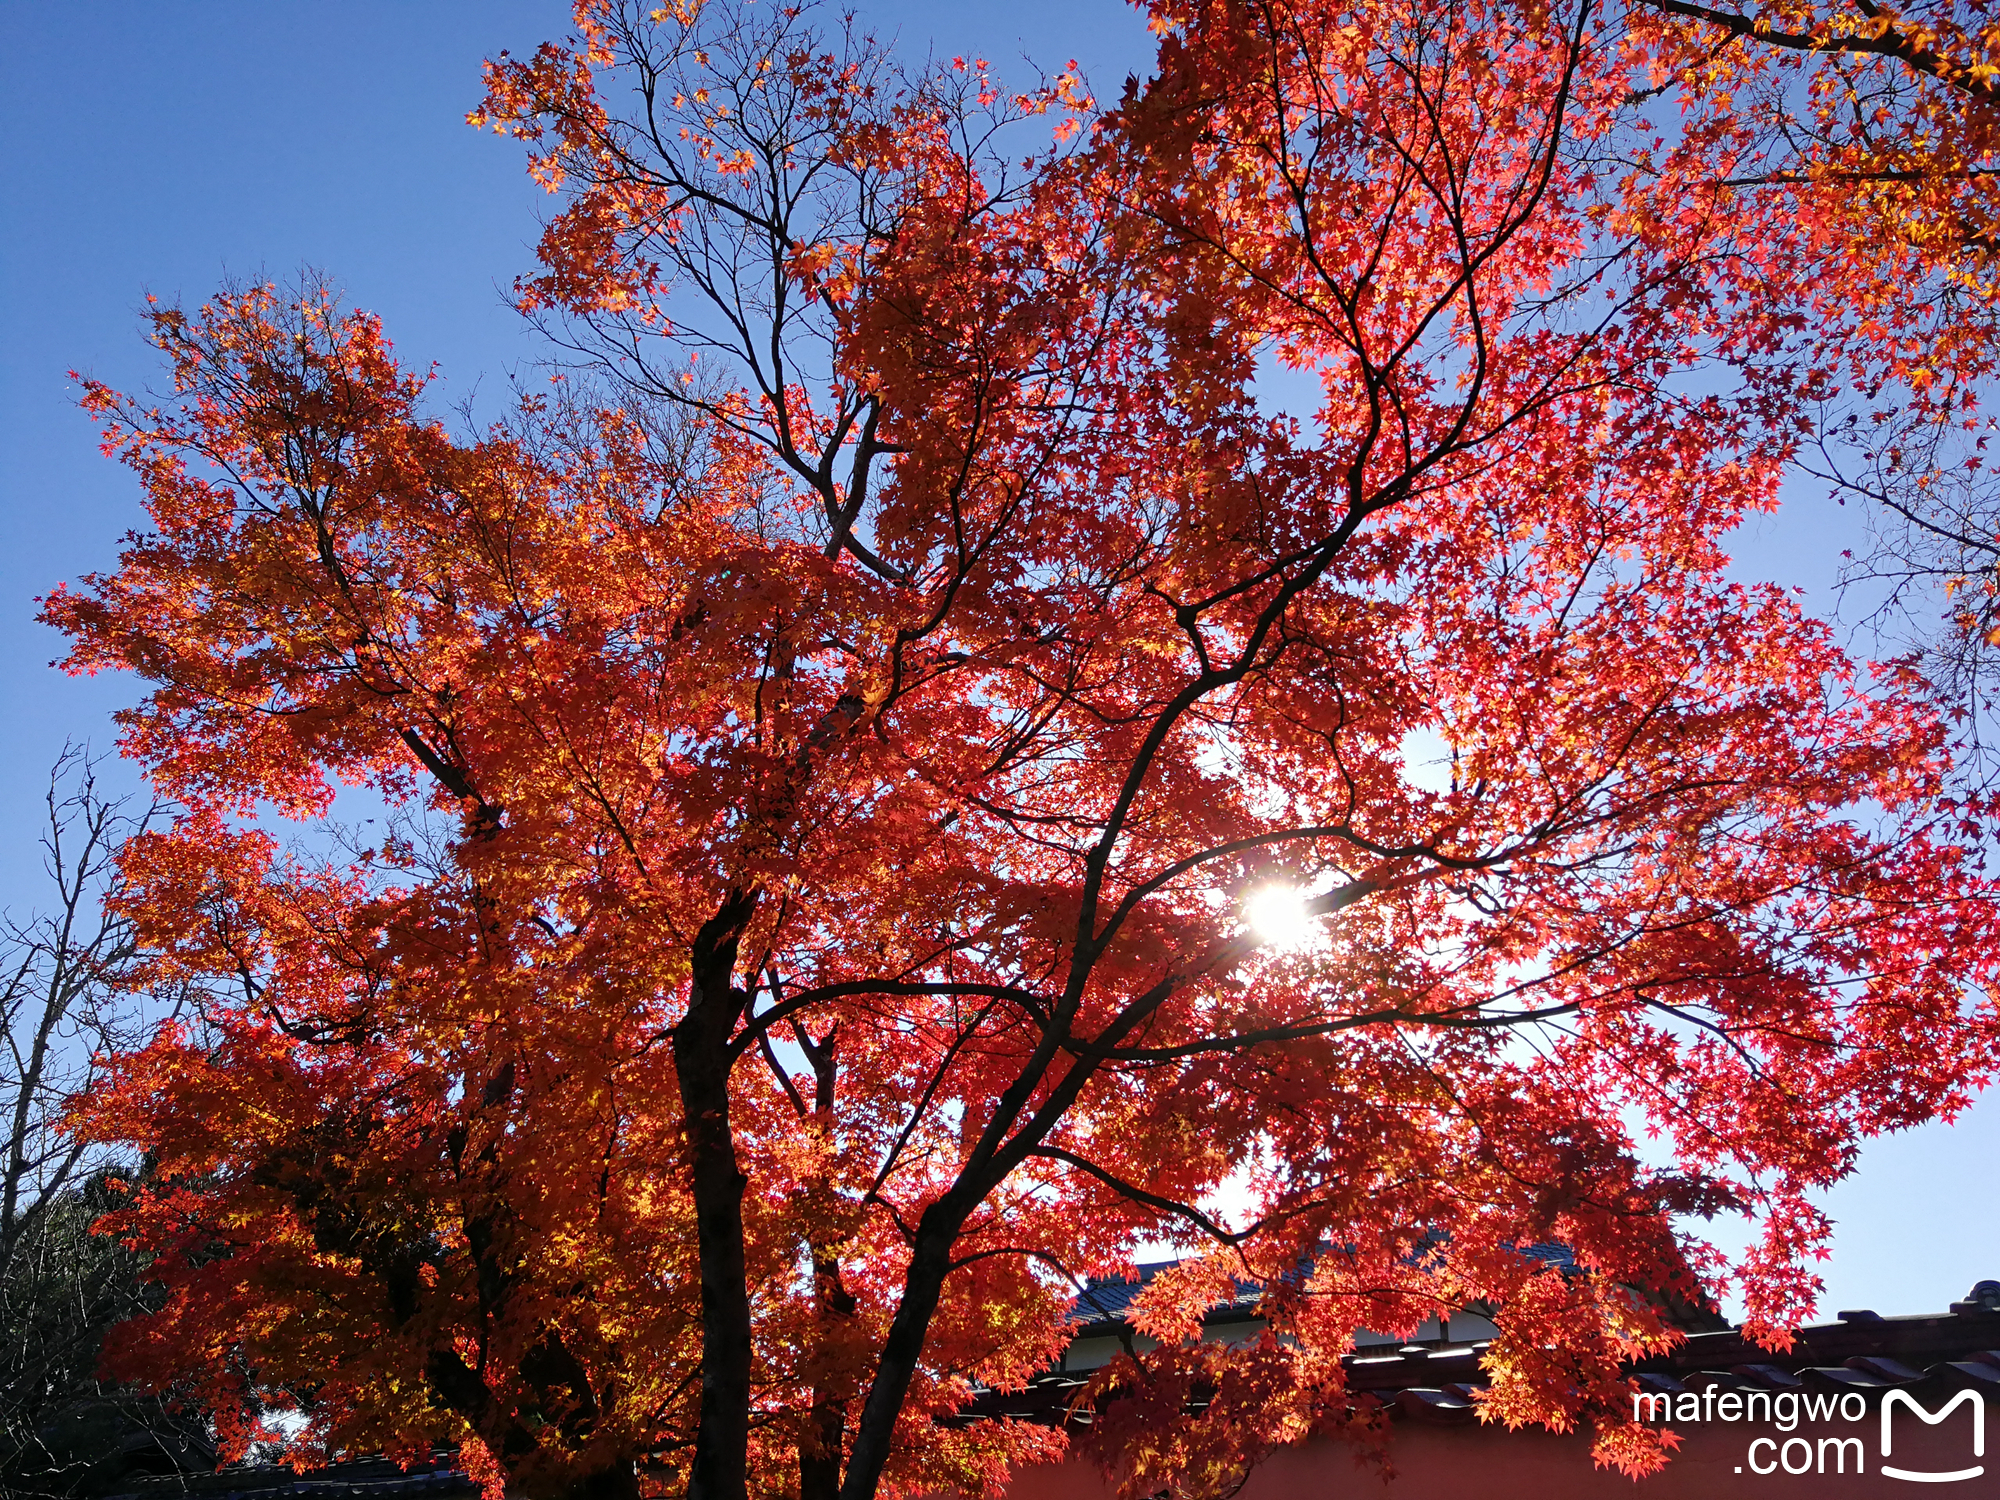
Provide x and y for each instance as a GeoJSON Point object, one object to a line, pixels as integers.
{"type": "Point", "coordinates": [159, 147]}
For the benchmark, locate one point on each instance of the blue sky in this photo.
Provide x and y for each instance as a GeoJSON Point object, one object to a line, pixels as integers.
{"type": "Point", "coordinates": [159, 147]}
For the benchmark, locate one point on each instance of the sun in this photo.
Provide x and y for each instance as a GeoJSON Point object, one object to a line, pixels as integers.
{"type": "Point", "coordinates": [1279, 918]}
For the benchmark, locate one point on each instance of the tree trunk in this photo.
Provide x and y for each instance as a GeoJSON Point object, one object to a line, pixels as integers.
{"type": "Point", "coordinates": [701, 1064]}
{"type": "Point", "coordinates": [826, 1430]}
{"type": "Point", "coordinates": [923, 1285]}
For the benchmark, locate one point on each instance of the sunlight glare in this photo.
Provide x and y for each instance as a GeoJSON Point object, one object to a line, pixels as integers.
{"type": "Point", "coordinates": [1277, 915]}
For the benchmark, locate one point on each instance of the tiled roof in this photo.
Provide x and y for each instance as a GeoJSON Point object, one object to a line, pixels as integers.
{"type": "Point", "coordinates": [1104, 1301]}
{"type": "Point", "coordinates": [1929, 1355]}
{"type": "Point", "coordinates": [1102, 1304]}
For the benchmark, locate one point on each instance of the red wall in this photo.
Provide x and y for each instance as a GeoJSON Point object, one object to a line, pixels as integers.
{"type": "Point", "coordinates": [1486, 1463]}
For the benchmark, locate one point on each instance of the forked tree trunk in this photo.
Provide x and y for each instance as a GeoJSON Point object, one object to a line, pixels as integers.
{"type": "Point", "coordinates": [701, 1064]}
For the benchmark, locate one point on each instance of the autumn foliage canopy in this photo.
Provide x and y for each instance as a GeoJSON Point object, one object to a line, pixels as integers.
{"type": "Point", "coordinates": [976, 545]}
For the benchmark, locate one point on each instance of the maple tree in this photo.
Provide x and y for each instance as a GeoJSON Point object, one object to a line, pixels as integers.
{"type": "Point", "coordinates": [1857, 142]}
{"type": "Point", "coordinates": [834, 735]}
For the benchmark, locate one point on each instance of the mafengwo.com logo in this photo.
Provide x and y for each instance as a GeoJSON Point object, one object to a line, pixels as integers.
{"type": "Point", "coordinates": [1771, 1419]}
